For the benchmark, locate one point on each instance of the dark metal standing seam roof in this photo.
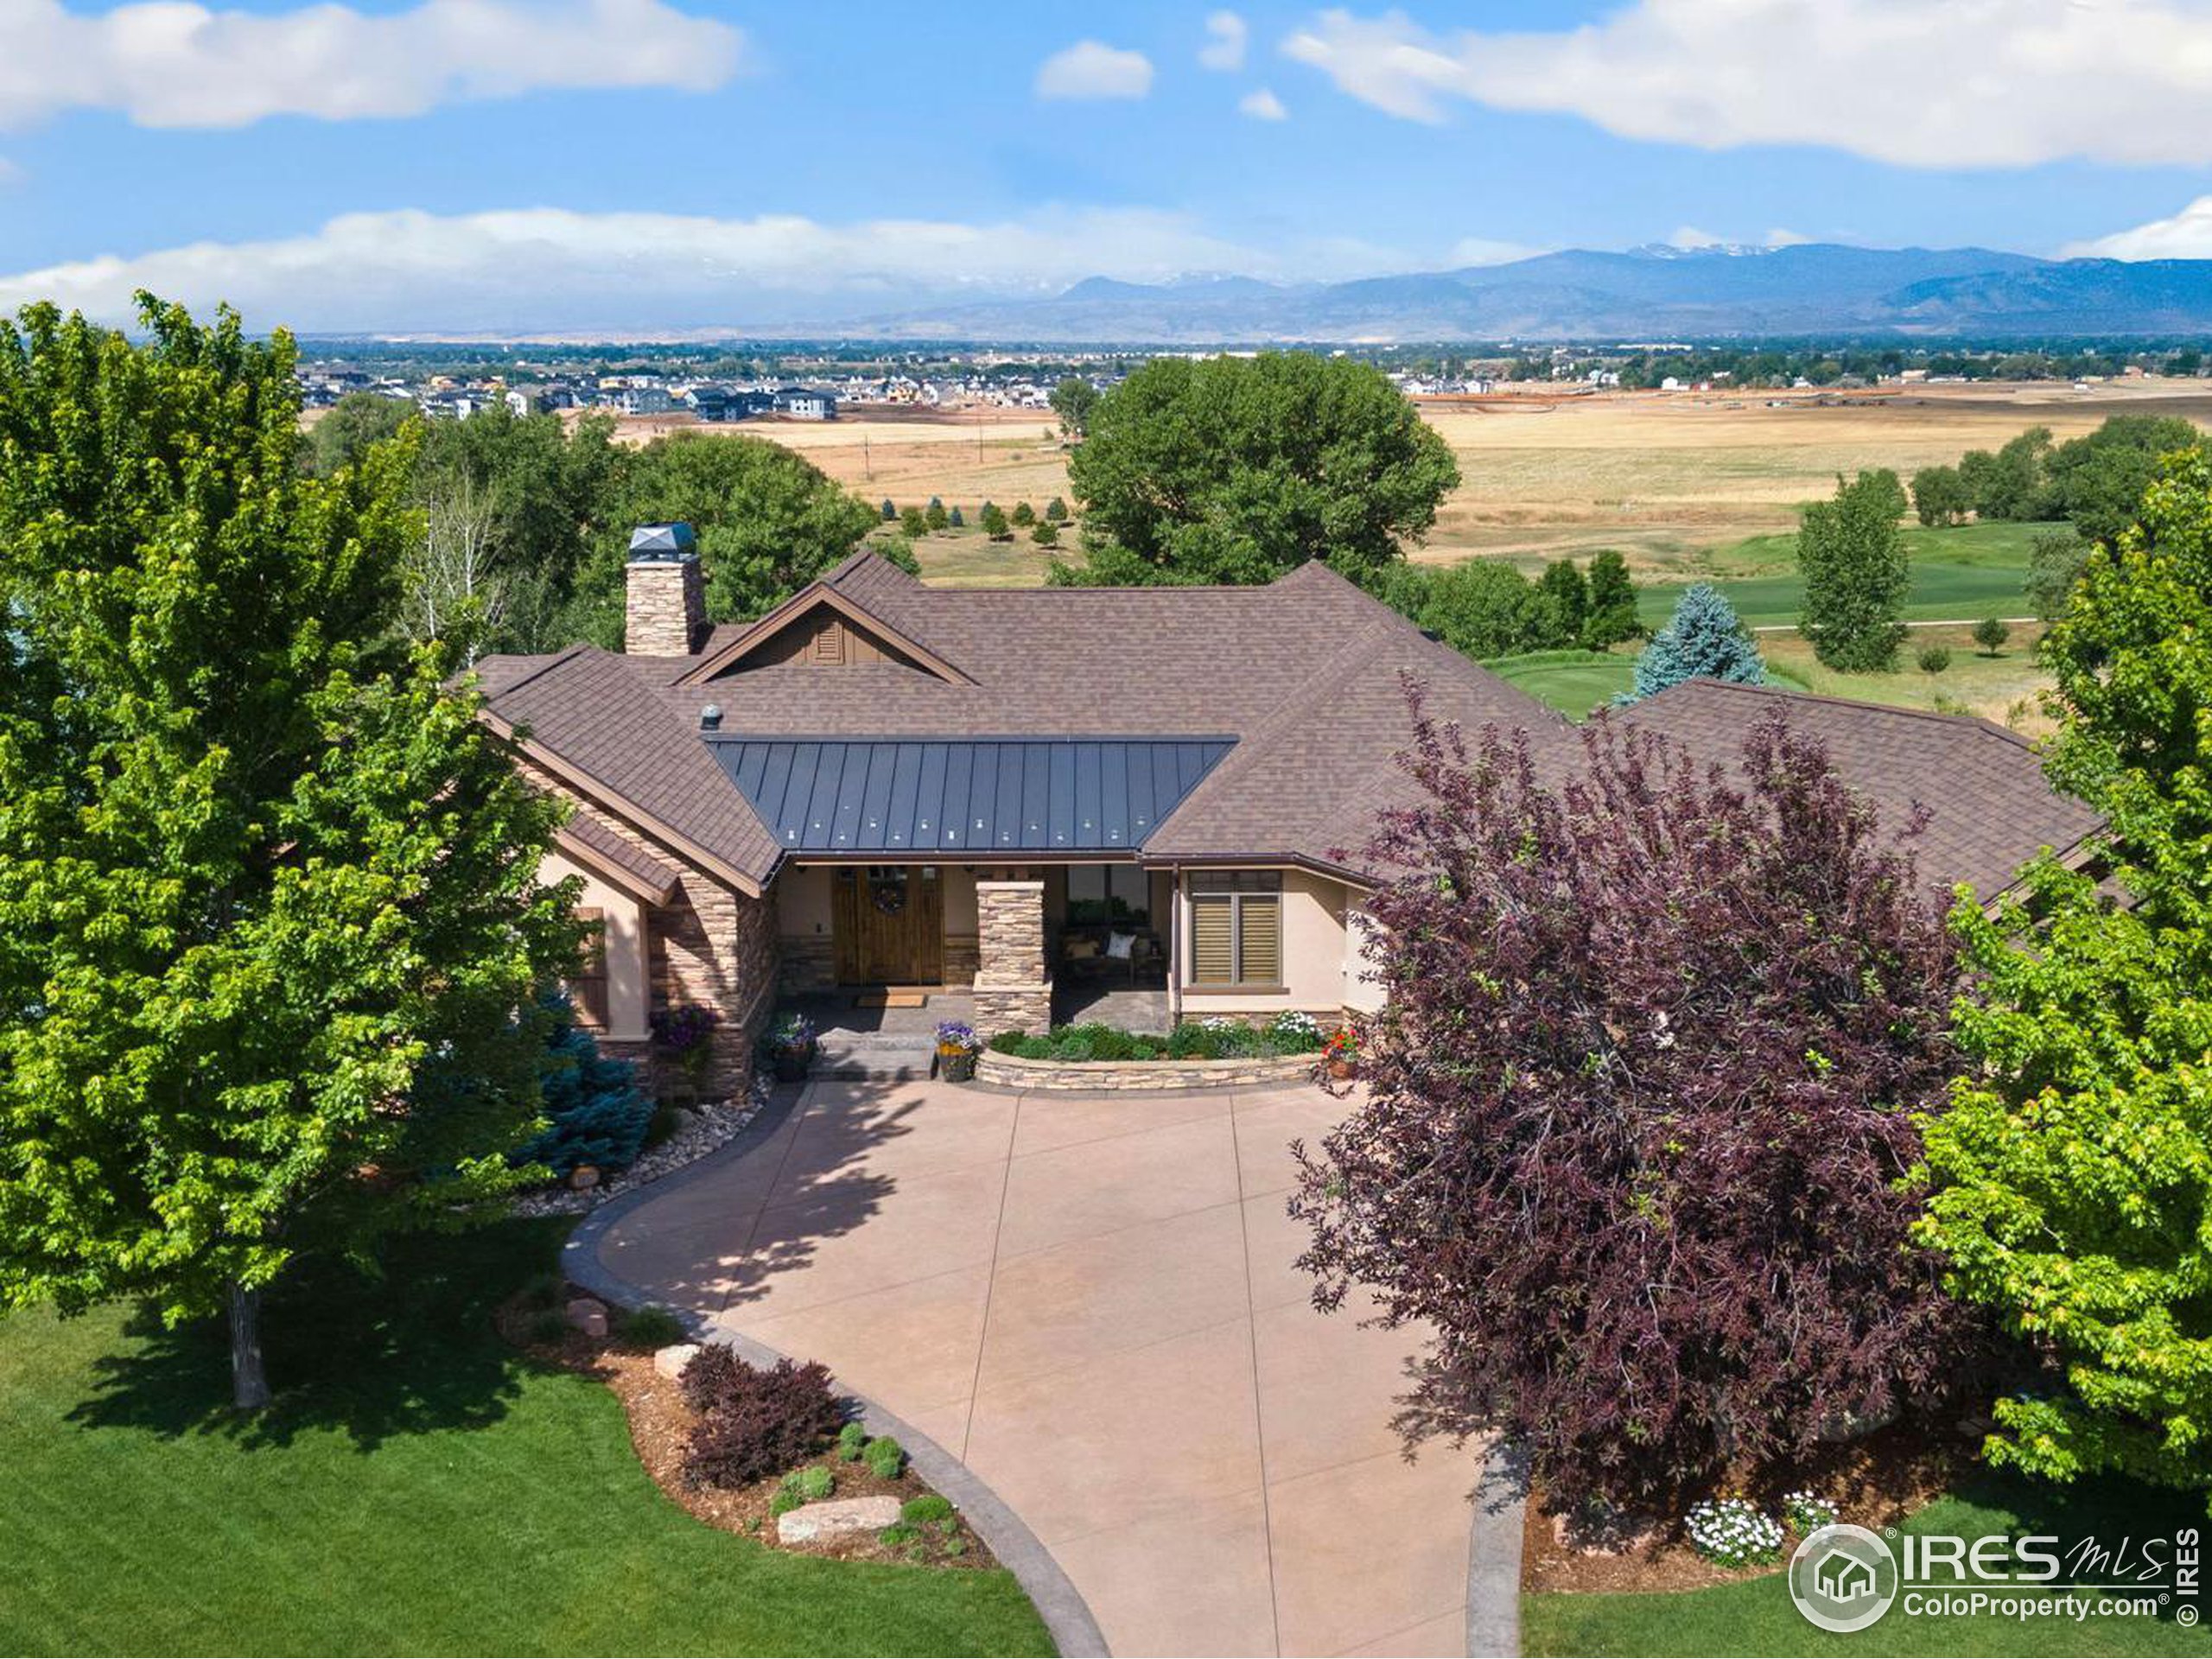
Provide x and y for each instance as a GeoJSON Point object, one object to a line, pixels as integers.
{"type": "Point", "coordinates": [964, 794]}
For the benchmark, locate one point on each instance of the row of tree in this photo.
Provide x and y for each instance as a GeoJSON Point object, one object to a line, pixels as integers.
{"type": "Point", "coordinates": [1700, 1136]}
{"type": "Point", "coordinates": [2093, 481]}
{"type": "Point", "coordinates": [1488, 609]}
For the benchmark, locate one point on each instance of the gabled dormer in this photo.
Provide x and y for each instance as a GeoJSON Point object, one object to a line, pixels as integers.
{"type": "Point", "coordinates": [820, 627]}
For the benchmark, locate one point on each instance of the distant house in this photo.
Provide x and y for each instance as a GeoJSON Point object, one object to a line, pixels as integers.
{"type": "Point", "coordinates": [644, 400]}
{"type": "Point", "coordinates": [804, 404]}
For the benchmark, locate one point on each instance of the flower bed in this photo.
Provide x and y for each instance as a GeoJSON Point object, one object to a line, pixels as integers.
{"type": "Point", "coordinates": [1200, 1054]}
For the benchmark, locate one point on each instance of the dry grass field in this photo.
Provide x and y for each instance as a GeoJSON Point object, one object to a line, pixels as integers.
{"type": "Point", "coordinates": [1665, 477]}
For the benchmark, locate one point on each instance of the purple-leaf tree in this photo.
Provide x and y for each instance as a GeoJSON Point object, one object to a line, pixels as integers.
{"type": "Point", "coordinates": [1635, 1140]}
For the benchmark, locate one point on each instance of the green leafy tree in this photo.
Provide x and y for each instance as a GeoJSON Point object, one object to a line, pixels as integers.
{"type": "Point", "coordinates": [1056, 510]}
{"type": "Point", "coordinates": [2098, 479]}
{"type": "Point", "coordinates": [1703, 640]}
{"type": "Point", "coordinates": [2054, 562]}
{"type": "Point", "coordinates": [1024, 514]}
{"type": "Point", "coordinates": [512, 505]}
{"type": "Point", "coordinates": [912, 524]}
{"type": "Point", "coordinates": [994, 523]}
{"type": "Point", "coordinates": [1611, 618]}
{"type": "Point", "coordinates": [1856, 575]}
{"type": "Point", "coordinates": [935, 516]}
{"type": "Point", "coordinates": [2073, 1172]}
{"type": "Point", "coordinates": [1991, 633]}
{"type": "Point", "coordinates": [270, 926]}
{"type": "Point", "coordinates": [1933, 659]}
{"type": "Point", "coordinates": [1940, 496]}
{"type": "Point", "coordinates": [1073, 400]}
{"type": "Point", "coordinates": [1236, 469]}
{"type": "Point", "coordinates": [769, 521]}
{"type": "Point", "coordinates": [2014, 484]}
{"type": "Point", "coordinates": [1045, 533]}
{"type": "Point", "coordinates": [349, 426]}
{"type": "Point", "coordinates": [1563, 584]}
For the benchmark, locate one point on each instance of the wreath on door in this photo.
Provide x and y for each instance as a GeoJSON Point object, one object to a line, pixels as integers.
{"type": "Point", "coordinates": [887, 892]}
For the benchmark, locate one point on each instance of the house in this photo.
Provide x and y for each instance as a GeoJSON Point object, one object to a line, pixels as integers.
{"type": "Point", "coordinates": [884, 783]}
{"type": "Point", "coordinates": [804, 404]}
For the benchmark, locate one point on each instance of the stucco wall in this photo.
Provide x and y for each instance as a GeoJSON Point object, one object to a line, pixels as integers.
{"type": "Point", "coordinates": [1314, 957]}
{"type": "Point", "coordinates": [622, 923]}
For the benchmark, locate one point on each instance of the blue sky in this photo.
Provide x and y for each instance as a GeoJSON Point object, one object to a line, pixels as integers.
{"type": "Point", "coordinates": [633, 164]}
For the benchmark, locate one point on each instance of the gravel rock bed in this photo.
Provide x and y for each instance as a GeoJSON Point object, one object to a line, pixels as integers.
{"type": "Point", "coordinates": [715, 1123]}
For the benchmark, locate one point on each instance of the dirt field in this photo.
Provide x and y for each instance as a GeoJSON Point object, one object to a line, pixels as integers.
{"type": "Point", "coordinates": [1663, 476]}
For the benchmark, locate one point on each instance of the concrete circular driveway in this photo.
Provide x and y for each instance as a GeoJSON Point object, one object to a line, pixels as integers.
{"type": "Point", "coordinates": [1090, 1302]}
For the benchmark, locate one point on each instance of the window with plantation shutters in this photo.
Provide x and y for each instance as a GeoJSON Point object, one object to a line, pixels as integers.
{"type": "Point", "coordinates": [587, 985]}
{"type": "Point", "coordinates": [1236, 928]}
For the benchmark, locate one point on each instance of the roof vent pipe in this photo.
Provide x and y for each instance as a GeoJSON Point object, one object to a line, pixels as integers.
{"type": "Point", "coordinates": [710, 718]}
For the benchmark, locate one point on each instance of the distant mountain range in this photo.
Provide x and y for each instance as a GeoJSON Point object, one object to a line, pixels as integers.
{"type": "Point", "coordinates": [1659, 293]}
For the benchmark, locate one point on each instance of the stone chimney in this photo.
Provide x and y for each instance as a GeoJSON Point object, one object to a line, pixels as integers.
{"type": "Point", "coordinates": [665, 614]}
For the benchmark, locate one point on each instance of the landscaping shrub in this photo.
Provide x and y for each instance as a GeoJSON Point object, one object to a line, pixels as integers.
{"type": "Point", "coordinates": [1734, 1533]}
{"type": "Point", "coordinates": [1638, 1142]}
{"type": "Point", "coordinates": [1075, 1049]}
{"type": "Point", "coordinates": [596, 1113]}
{"type": "Point", "coordinates": [544, 1290]}
{"type": "Point", "coordinates": [1021, 1044]}
{"type": "Point", "coordinates": [926, 1509]}
{"type": "Point", "coordinates": [549, 1326]}
{"type": "Point", "coordinates": [852, 1440]}
{"type": "Point", "coordinates": [897, 1536]}
{"type": "Point", "coordinates": [758, 1423]}
{"type": "Point", "coordinates": [813, 1483]}
{"type": "Point", "coordinates": [648, 1327]}
{"type": "Point", "coordinates": [885, 1458]}
{"type": "Point", "coordinates": [1807, 1514]}
{"type": "Point", "coordinates": [711, 1377]}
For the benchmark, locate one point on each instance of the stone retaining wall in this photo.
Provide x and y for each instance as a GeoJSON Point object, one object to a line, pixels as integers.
{"type": "Point", "coordinates": [1014, 1071]}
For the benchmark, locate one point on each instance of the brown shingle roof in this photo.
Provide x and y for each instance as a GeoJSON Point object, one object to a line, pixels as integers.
{"type": "Point", "coordinates": [1305, 673]}
{"type": "Point", "coordinates": [1992, 809]}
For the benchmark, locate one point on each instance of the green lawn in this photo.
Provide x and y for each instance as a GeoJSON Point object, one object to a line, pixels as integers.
{"type": "Point", "coordinates": [1970, 572]}
{"type": "Point", "coordinates": [1576, 682]}
{"type": "Point", "coordinates": [418, 1488]}
{"type": "Point", "coordinates": [1756, 1615]}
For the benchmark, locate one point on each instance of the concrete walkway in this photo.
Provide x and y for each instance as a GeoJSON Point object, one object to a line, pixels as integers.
{"type": "Point", "coordinates": [1092, 1303]}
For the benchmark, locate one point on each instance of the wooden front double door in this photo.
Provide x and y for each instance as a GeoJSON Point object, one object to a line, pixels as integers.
{"type": "Point", "coordinates": [887, 924]}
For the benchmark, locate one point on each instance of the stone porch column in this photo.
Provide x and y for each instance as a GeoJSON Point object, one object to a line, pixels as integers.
{"type": "Point", "coordinates": [1013, 991]}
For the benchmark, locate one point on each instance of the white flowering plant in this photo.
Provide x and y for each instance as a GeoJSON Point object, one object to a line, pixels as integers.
{"type": "Point", "coordinates": [1295, 1023]}
{"type": "Point", "coordinates": [1734, 1532]}
{"type": "Point", "coordinates": [1808, 1514]}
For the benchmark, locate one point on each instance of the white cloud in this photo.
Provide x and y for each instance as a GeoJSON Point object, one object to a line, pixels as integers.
{"type": "Point", "coordinates": [1780, 238]}
{"type": "Point", "coordinates": [1688, 236]}
{"type": "Point", "coordinates": [1093, 69]}
{"type": "Point", "coordinates": [1967, 84]}
{"type": "Point", "coordinates": [548, 269]}
{"type": "Point", "coordinates": [2187, 235]}
{"type": "Point", "coordinates": [166, 64]}
{"type": "Point", "coordinates": [1227, 37]}
{"type": "Point", "coordinates": [1263, 106]}
{"type": "Point", "coordinates": [1488, 251]}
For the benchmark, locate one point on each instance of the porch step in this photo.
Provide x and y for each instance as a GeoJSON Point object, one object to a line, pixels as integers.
{"type": "Point", "coordinates": [875, 1057]}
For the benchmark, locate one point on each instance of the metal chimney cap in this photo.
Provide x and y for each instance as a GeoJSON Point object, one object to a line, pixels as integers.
{"type": "Point", "coordinates": [711, 717]}
{"type": "Point", "coordinates": [663, 545]}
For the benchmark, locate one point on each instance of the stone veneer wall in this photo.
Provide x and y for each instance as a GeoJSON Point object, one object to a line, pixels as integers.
{"type": "Point", "coordinates": [1018, 1071]}
{"type": "Point", "coordinates": [963, 955]}
{"type": "Point", "coordinates": [808, 962]}
{"type": "Point", "coordinates": [664, 606]}
{"type": "Point", "coordinates": [1013, 990]}
{"type": "Point", "coordinates": [710, 945]}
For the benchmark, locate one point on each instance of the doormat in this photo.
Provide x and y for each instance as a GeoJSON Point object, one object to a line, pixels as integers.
{"type": "Point", "coordinates": [892, 999]}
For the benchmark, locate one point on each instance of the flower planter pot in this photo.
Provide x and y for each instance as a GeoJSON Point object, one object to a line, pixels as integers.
{"type": "Point", "coordinates": [956, 1064]}
{"type": "Point", "coordinates": [1340, 1069]}
{"type": "Point", "coordinates": [792, 1068]}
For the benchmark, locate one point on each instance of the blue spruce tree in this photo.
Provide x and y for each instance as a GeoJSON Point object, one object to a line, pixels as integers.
{"type": "Point", "coordinates": [1703, 639]}
{"type": "Point", "coordinates": [599, 1114]}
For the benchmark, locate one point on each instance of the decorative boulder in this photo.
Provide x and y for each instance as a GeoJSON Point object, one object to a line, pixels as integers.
{"type": "Point", "coordinates": [837, 1518]}
{"type": "Point", "coordinates": [670, 1361]}
{"type": "Point", "coordinates": [589, 1316]}
{"type": "Point", "coordinates": [583, 1177]}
